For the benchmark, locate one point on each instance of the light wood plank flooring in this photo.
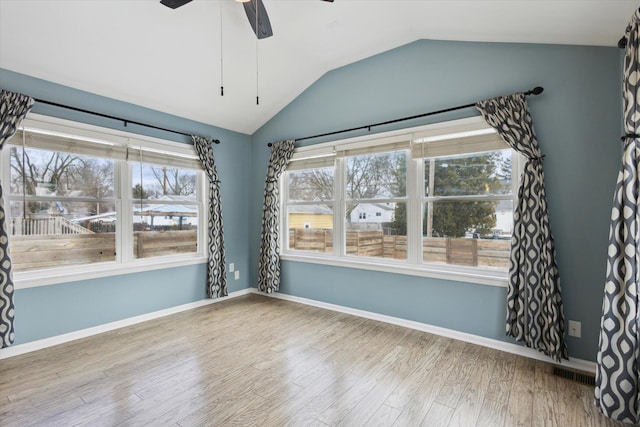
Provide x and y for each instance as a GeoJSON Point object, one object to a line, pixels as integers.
{"type": "Point", "coordinates": [258, 361]}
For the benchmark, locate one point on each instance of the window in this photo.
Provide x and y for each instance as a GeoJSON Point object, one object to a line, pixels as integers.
{"type": "Point", "coordinates": [374, 179]}
{"type": "Point", "coordinates": [60, 205]}
{"type": "Point", "coordinates": [435, 201]}
{"type": "Point", "coordinates": [164, 210]}
{"type": "Point", "coordinates": [310, 206]}
{"type": "Point", "coordinates": [83, 199]}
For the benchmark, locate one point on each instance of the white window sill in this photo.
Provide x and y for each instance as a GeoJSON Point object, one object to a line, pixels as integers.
{"type": "Point", "coordinates": [44, 277]}
{"type": "Point", "coordinates": [447, 272]}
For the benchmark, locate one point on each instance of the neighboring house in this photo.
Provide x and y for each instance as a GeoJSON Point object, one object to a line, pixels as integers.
{"type": "Point", "coordinates": [160, 216]}
{"type": "Point", "coordinates": [319, 216]}
{"type": "Point", "coordinates": [373, 213]}
{"type": "Point", "coordinates": [504, 218]}
{"type": "Point", "coordinates": [167, 215]}
{"type": "Point", "coordinates": [310, 216]}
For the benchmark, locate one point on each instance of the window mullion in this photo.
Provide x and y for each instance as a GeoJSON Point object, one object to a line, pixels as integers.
{"type": "Point", "coordinates": [124, 214]}
{"type": "Point", "coordinates": [284, 212]}
{"type": "Point", "coordinates": [6, 173]}
{"type": "Point", "coordinates": [414, 211]}
{"type": "Point", "coordinates": [339, 190]}
{"type": "Point", "coordinates": [202, 189]}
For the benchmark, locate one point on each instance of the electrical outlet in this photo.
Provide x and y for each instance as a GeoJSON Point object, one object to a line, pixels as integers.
{"type": "Point", "coordinates": [232, 267]}
{"type": "Point", "coordinates": [237, 276]}
{"type": "Point", "coordinates": [575, 328]}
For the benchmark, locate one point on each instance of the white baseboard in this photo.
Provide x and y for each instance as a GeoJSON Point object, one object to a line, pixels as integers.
{"type": "Point", "coordinates": [83, 333]}
{"type": "Point", "coordinates": [578, 364]}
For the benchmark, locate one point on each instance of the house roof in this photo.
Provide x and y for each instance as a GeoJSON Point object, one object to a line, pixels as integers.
{"type": "Point", "coordinates": [175, 61]}
{"type": "Point", "coordinates": [310, 209]}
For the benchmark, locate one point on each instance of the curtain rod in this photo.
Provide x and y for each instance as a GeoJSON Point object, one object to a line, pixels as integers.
{"type": "Point", "coordinates": [120, 119]}
{"type": "Point", "coordinates": [535, 91]}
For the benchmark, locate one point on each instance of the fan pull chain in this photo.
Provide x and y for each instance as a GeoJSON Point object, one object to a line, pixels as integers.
{"type": "Point", "coordinates": [221, 55]}
{"type": "Point", "coordinates": [257, 63]}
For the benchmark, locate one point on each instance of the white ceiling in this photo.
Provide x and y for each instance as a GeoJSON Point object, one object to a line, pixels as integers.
{"type": "Point", "coordinates": [142, 52]}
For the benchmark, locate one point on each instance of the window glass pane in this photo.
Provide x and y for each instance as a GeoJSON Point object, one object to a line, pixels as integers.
{"type": "Point", "coordinates": [311, 184]}
{"type": "Point", "coordinates": [163, 182]}
{"type": "Point", "coordinates": [164, 229]}
{"type": "Point", "coordinates": [52, 173]}
{"type": "Point", "coordinates": [55, 233]}
{"type": "Point", "coordinates": [469, 174]}
{"type": "Point", "coordinates": [369, 234]}
{"type": "Point", "coordinates": [377, 176]}
{"type": "Point", "coordinates": [468, 233]}
{"type": "Point", "coordinates": [310, 228]}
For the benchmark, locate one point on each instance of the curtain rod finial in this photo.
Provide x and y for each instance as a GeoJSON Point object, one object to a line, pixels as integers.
{"type": "Point", "coordinates": [216, 141]}
{"type": "Point", "coordinates": [270, 144]}
{"type": "Point", "coordinates": [622, 43]}
{"type": "Point", "coordinates": [535, 91]}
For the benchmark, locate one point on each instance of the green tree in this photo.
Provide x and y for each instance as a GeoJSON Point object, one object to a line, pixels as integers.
{"type": "Point", "coordinates": [399, 223]}
{"type": "Point", "coordinates": [139, 193]}
{"type": "Point", "coordinates": [464, 176]}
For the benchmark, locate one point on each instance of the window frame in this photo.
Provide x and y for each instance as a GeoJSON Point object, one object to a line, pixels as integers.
{"type": "Point", "coordinates": [414, 264]}
{"type": "Point", "coordinates": [125, 261]}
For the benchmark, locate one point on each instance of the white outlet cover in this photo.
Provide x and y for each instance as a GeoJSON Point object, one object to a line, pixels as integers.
{"type": "Point", "coordinates": [232, 267]}
{"type": "Point", "coordinates": [575, 328]}
{"type": "Point", "coordinates": [237, 275]}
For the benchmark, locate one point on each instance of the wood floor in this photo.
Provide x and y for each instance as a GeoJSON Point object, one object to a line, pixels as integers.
{"type": "Point", "coordinates": [258, 361]}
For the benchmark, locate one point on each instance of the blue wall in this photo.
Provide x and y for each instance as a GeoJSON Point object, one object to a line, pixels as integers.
{"type": "Point", "coordinates": [47, 311]}
{"type": "Point", "coordinates": [577, 120]}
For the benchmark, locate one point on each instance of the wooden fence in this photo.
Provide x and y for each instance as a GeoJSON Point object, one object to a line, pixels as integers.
{"type": "Point", "coordinates": [50, 225]}
{"type": "Point", "coordinates": [458, 251]}
{"type": "Point", "coordinates": [32, 252]}
{"type": "Point", "coordinates": [148, 244]}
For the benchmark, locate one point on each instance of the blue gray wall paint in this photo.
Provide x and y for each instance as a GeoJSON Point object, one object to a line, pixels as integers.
{"type": "Point", "coordinates": [577, 120]}
{"type": "Point", "coordinates": [52, 310]}
{"type": "Point", "coordinates": [47, 311]}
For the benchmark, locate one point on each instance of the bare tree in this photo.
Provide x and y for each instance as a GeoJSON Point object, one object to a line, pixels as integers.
{"type": "Point", "coordinates": [94, 178]}
{"type": "Point", "coordinates": [375, 176]}
{"type": "Point", "coordinates": [61, 175]}
{"type": "Point", "coordinates": [33, 169]}
{"type": "Point", "coordinates": [174, 181]}
{"type": "Point", "coordinates": [311, 185]}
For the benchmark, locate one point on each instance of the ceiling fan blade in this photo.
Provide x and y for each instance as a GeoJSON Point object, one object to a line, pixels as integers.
{"type": "Point", "coordinates": [264, 25]}
{"type": "Point", "coordinates": [174, 4]}
{"type": "Point", "coordinates": [330, 1]}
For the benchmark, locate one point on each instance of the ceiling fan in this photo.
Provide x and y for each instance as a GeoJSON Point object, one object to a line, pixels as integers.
{"type": "Point", "coordinates": [255, 10]}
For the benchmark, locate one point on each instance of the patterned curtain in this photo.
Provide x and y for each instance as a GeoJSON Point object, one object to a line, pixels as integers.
{"type": "Point", "coordinates": [534, 301]}
{"type": "Point", "coordinates": [269, 263]}
{"type": "Point", "coordinates": [617, 393]}
{"type": "Point", "coordinates": [13, 108]}
{"type": "Point", "coordinates": [216, 266]}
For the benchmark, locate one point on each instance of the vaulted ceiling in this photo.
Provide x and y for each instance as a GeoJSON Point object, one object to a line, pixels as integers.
{"type": "Point", "coordinates": [175, 61]}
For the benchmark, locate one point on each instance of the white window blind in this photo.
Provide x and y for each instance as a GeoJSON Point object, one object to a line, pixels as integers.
{"type": "Point", "coordinates": [110, 146]}
{"type": "Point", "coordinates": [311, 158]}
{"type": "Point", "coordinates": [156, 156]}
{"type": "Point", "coordinates": [471, 138]}
{"type": "Point", "coordinates": [60, 142]}
{"type": "Point", "coordinates": [374, 146]}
